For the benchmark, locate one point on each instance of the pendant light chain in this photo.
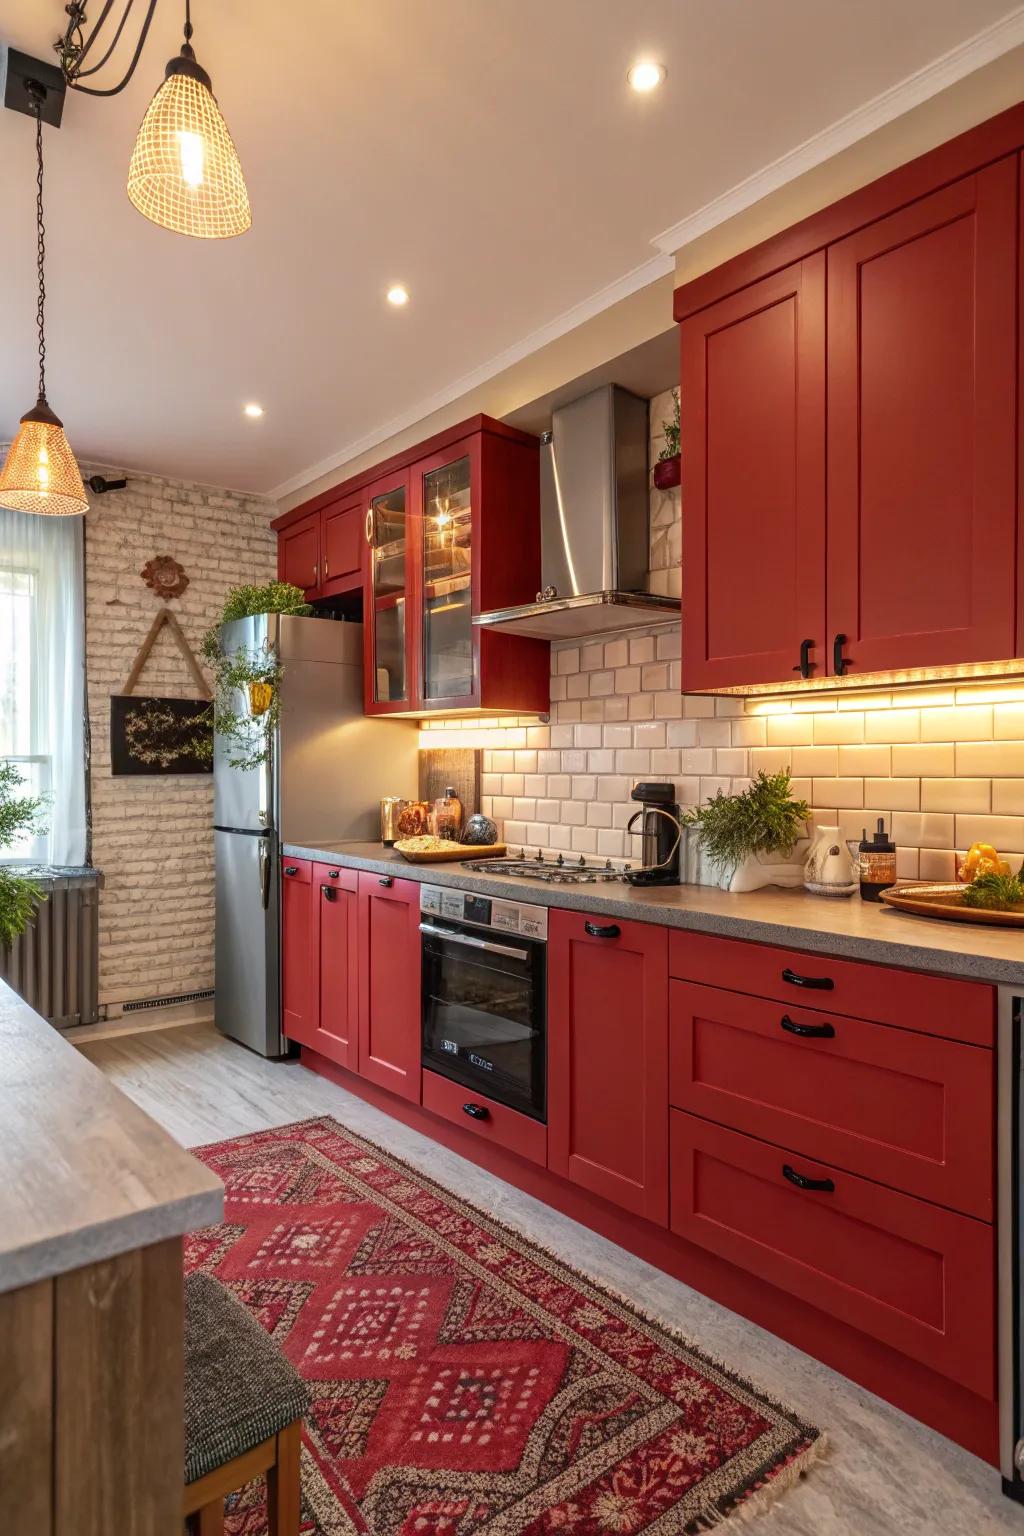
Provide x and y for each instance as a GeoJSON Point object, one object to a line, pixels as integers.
{"type": "Point", "coordinates": [40, 255]}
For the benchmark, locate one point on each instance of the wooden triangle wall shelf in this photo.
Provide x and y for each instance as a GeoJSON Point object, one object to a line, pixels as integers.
{"type": "Point", "coordinates": [165, 616]}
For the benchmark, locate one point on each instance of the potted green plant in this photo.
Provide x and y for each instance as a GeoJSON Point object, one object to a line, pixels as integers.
{"type": "Point", "coordinates": [744, 841]}
{"type": "Point", "coordinates": [667, 471]}
{"type": "Point", "coordinates": [19, 894]}
{"type": "Point", "coordinates": [247, 680]}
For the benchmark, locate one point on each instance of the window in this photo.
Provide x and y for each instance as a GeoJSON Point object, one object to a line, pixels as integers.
{"type": "Point", "coordinates": [42, 685]}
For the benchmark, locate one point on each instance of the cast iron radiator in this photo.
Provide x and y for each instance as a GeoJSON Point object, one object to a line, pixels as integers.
{"type": "Point", "coordinates": [54, 963]}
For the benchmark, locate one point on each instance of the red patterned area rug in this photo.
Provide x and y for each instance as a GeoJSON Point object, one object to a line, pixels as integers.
{"type": "Point", "coordinates": [464, 1382]}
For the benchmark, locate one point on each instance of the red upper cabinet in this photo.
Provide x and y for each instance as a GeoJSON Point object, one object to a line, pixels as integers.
{"type": "Point", "coordinates": [388, 597]}
{"type": "Point", "coordinates": [922, 430]}
{"type": "Point", "coordinates": [753, 450]}
{"type": "Point", "coordinates": [608, 1060]}
{"type": "Point", "coordinates": [389, 984]}
{"type": "Point", "coordinates": [298, 554]}
{"type": "Point", "coordinates": [342, 544]}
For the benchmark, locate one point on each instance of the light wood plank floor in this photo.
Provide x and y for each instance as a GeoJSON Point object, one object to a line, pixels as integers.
{"type": "Point", "coordinates": [885, 1475]}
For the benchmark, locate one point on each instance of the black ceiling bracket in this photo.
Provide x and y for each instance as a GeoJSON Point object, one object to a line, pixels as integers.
{"type": "Point", "coordinates": [28, 81]}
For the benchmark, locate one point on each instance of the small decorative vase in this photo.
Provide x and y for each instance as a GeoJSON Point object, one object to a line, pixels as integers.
{"type": "Point", "coordinates": [260, 696]}
{"type": "Point", "coordinates": [667, 472]}
{"type": "Point", "coordinates": [830, 869]}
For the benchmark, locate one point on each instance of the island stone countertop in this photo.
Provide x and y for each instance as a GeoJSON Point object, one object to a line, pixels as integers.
{"type": "Point", "coordinates": [841, 926]}
{"type": "Point", "coordinates": [85, 1175]}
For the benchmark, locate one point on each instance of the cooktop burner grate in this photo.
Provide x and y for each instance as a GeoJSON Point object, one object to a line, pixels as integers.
{"type": "Point", "coordinates": [560, 871]}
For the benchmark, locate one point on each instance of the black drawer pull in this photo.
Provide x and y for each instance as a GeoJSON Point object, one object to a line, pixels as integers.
{"type": "Point", "coordinates": [808, 1031]}
{"type": "Point", "coordinates": [801, 1181]}
{"type": "Point", "coordinates": [476, 1111]}
{"type": "Point", "coordinates": [329, 893]}
{"type": "Point", "coordinates": [609, 931]}
{"type": "Point", "coordinates": [332, 874]}
{"type": "Point", "coordinates": [812, 983]}
{"type": "Point", "coordinates": [387, 880]}
{"type": "Point", "coordinates": [291, 869]}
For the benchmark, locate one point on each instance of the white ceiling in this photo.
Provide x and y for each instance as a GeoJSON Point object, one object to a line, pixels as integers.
{"type": "Point", "coordinates": [487, 153]}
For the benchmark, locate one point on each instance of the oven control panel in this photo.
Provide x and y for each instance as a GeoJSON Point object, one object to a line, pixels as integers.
{"type": "Point", "coordinates": [521, 917]}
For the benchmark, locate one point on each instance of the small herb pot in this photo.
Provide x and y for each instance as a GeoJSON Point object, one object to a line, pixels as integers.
{"type": "Point", "coordinates": [668, 472]}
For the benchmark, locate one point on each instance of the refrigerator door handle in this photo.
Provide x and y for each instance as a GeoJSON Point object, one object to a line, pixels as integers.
{"type": "Point", "coordinates": [264, 875]}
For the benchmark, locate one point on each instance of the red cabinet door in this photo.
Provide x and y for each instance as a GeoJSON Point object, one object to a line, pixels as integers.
{"type": "Point", "coordinates": [922, 431]}
{"type": "Point", "coordinates": [910, 1274]}
{"type": "Point", "coordinates": [298, 952]}
{"type": "Point", "coordinates": [298, 554]}
{"type": "Point", "coordinates": [389, 984]}
{"type": "Point", "coordinates": [753, 490]}
{"type": "Point", "coordinates": [342, 540]}
{"type": "Point", "coordinates": [608, 1059]}
{"type": "Point", "coordinates": [335, 903]}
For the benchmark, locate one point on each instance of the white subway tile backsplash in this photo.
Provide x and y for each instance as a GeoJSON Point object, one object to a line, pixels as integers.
{"type": "Point", "coordinates": [577, 686]}
{"type": "Point", "coordinates": [665, 761]}
{"type": "Point", "coordinates": [897, 794]}
{"type": "Point", "coordinates": [790, 730]}
{"type": "Point", "coordinates": [748, 731]}
{"type": "Point", "coordinates": [965, 723]}
{"type": "Point", "coordinates": [616, 707]}
{"type": "Point", "coordinates": [681, 733]}
{"type": "Point", "coordinates": [526, 762]}
{"type": "Point", "coordinates": [1005, 833]}
{"type": "Point", "coordinates": [771, 759]}
{"type": "Point", "coordinates": [627, 680]}
{"type": "Point", "coordinates": [655, 675]}
{"type": "Point", "coordinates": [892, 725]}
{"type": "Point", "coordinates": [566, 661]}
{"type": "Point", "coordinates": [587, 736]}
{"type": "Point", "coordinates": [965, 795]}
{"type": "Point", "coordinates": [641, 706]}
{"type": "Point", "coordinates": [1008, 722]}
{"type": "Point", "coordinates": [535, 784]}
{"type": "Point", "coordinates": [601, 684]}
{"type": "Point", "coordinates": [1008, 797]}
{"type": "Point", "coordinates": [838, 730]}
{"type": "Point", "coordinates": [838, 794]}
{"type": "Point", "coordinates": [937, 864]}
{"type": "Point", "coordinates": [698, 760]}
{"type": "Point", "coordinates": [599, 814]}
{"type": "Point", "coordinates": [616, 653]}
{"type": "Point", "coordinates": [714, 733]}
{"type": "Point", "coordinates": [601, 761]}
{"type": "Point", "coordinates": [584, 786]}
{"type": "Point", "coordinates": [649, 733]}
{"type": "Point", "coordinates": [816, 760]}
{"type": "Point", "coordinates": [697, 707]}
{"type": "Point", "coordinates": [641, 649]}
{"type": "Point", "coordinates": [873, 761]}
{"type": "Point", "coordinates": [667, 647]}
{"type": "Point", "coordinates": [922, 830]}
{"type": "Point", "coordinates": [591, 711]}
{"type": "Point", "coordinates": [918, 762]}
{"type": "Point", "coordinates": [592, 657]}
{"type": "Point", "coordinates": [994, 759]}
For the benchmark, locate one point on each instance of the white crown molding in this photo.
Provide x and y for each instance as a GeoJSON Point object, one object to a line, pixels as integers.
{"type": "Point", "coordinates": [963, 60]}
{"type": "Point", "coordinates": [622, 288]}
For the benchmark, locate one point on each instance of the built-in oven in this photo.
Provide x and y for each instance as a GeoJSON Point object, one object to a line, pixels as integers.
{"type": "Point", "coordinates": [484, 996]}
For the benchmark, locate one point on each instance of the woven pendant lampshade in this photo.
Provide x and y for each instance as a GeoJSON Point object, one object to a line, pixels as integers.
{"type": "Point", "coordinates": [40, 473]}
{"type": "Point", "coordinates": [185, 173]}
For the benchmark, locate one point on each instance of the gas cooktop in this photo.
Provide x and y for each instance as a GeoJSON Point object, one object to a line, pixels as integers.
{"type": "Point", "coordinates": [560, 871]}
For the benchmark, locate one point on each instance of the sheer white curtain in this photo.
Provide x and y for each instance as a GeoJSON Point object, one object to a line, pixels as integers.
{"type": "Point", "coordinates": [42, 675]}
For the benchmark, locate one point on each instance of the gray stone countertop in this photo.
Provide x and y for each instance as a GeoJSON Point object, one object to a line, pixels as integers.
{"type": "Point", "coordinates": [849, 927]}
{"type": "Point", "coordinates": [85, 1175]}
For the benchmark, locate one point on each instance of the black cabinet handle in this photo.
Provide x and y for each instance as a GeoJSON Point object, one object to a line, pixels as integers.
{"type": "Point", "coordinates": [387, 880]}
{"type": "Point", "coordinates": [609, 931]}
{"type": "Point", "coordinates": [804, 664]}
{"type": "Point", "coordinates": [808, 1031]}
{"type": "Point", "coordinates": [476, 1111]}
{"type": "Point", "coordinates": [801, 1181]}
{"type": "Point", "coordinates": [328, 892]}
{"type": "Point", "coordinates": [812, 983]}
{"type": "Point", "coordinates": [839, 662]}
{"type": "Point", "coordinates": [291, 869]}
{"type": "Point", "coordinates": [332, 874]}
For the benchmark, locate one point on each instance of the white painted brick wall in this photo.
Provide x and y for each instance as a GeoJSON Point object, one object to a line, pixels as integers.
{"type": "Point", "coordinates": [152, 837]}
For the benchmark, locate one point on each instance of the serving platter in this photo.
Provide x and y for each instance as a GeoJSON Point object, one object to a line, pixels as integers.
{"type": "Point", "coordinates": [451, 855]}
{"type": "Point", "coordinates": [947, 902]}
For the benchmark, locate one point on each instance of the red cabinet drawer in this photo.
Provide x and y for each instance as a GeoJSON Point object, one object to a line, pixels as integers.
{"type": "Point", "coordinates": [905, 1109]}
{"type": "Point", "coordinates": [297, 869]}
{"type": "Point", "coordinates": [959, 1010]}
{"type": "Point", "coordinates": [918, 1278]}
{"type": "Point", "coordinates": [501, 1126]}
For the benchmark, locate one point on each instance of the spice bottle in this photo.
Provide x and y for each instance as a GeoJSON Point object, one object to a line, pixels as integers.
{"type": "Point", "coordinates": [877, 863]}
{"type": "Point", "coordinates": [448, 815]}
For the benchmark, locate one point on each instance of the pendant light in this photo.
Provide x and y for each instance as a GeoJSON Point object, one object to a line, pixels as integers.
{"type": "Point", "coordinates": [185, 173]}
{"type": "Point", "coordinates": [40, 473]}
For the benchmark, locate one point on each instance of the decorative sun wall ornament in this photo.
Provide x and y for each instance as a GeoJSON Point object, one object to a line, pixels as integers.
{"type": "Point", "coordinates": [164, 576]}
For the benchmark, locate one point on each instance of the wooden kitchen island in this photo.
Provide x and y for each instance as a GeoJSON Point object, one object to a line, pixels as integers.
{"type": "Point", "coordinates": [94, 1200]}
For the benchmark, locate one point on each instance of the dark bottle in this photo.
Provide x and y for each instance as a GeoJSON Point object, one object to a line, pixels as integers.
{"type": "Point", "coordinates": [877, 863]}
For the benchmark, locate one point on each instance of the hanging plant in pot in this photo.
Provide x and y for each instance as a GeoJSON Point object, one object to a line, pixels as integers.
{"type": "Point", "coordinates": [247, 680]}
{"type": "Point", "coordinates": [746, 841]}
{"type": "Point", "coordinates": [667, 471]}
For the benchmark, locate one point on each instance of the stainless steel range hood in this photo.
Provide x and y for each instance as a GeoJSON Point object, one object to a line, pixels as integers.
{"type": "Point", "coordinates": [595, 524]}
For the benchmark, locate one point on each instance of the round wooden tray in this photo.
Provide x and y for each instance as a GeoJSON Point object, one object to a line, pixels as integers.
{"type": "Point", "coordinates": [451, 855]}
{"type": "Point", "coordinates": [947, 901]}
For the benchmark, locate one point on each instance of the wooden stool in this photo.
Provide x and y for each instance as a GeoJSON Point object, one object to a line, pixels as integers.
{"type": "Point", "coordinates": [244, 1404]}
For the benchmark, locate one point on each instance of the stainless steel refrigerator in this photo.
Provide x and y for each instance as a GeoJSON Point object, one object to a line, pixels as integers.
{"type": "Point", "coordinates": [327, 771]}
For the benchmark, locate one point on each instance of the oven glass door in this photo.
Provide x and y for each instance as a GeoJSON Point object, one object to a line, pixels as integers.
{"type": "Point", "coordinates": [484, 1012]}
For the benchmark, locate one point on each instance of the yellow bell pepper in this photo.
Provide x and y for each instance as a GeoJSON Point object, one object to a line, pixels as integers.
{"type": "Point", "coordinates": [981, 859]}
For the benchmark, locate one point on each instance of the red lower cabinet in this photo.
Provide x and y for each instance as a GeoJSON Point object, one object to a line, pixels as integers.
{"type": "Point", "coordinates": [298, 957]}
{"type": "Point", "coordinates": [336, 904]}
{"type": "Point", "coordinates": [917, 1278]}
{"type": "Point", "coordinates": [491, 1122]}
{"type": "Point", "coordinates": [389, 984]}
{"type": "Point", "coordinates": [608, 1059]}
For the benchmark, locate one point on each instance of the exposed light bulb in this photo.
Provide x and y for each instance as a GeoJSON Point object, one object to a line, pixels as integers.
{"type": "Point", "coordinates": [43, 469]}
{"type": "Point", "coordinates": [646, 76]}
{"type": "Point", "coordinates": [398, 295]}
{"type": "Point", "coordinates": [192, 151]}
{"type": "Point", "coordinates": [253, 410]}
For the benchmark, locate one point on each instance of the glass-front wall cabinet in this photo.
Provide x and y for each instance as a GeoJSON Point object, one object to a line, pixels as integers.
{"type": "Point", "coordinates": [388, 531]}
{"type": "Point", "coordinates": [447, 666]}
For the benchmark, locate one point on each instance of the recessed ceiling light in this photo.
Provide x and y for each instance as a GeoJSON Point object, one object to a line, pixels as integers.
{"type": "Point", "coordinates": [398, 295]}
{"type": "Point", "coordinates": [254, 410]}
{"type": "Point", "coordinates": [645, 76]}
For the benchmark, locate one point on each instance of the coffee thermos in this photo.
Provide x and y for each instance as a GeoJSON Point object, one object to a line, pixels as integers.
{"type": "Point", "coordinates": [660, 835]}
